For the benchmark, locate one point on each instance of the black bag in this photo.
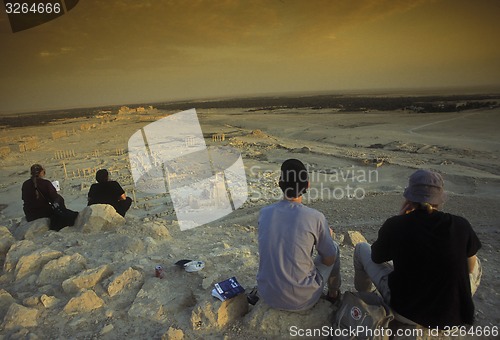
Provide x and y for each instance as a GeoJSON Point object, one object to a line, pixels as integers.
{"type": "Point", "coordinates": [62, 217]}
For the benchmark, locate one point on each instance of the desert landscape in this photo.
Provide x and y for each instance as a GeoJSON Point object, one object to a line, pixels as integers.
{"type": "Point", "coordinates": [97, 280]}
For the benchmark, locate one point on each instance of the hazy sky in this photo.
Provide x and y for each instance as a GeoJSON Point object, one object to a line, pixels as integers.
{"type": "Point", "coordinates": [132, 51]}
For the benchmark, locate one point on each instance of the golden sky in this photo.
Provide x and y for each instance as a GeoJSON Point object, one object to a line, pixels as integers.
{"type": "Point", "coordinates": [129, 51]}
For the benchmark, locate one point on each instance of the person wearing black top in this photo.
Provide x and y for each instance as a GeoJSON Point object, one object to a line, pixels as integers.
{"type": "Point", "coordinates": [108, 192]}
{"type": "Point", "coordinates": [38, 194]}
{"type": "Point", "coordinates": [434, 270]}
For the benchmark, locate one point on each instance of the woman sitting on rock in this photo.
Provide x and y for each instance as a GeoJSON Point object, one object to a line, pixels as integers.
{"type": "Point", "coordinates": [38, 194]}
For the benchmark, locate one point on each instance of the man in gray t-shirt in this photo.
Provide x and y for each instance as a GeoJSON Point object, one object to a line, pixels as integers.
{"type": "Point", "coordinates": [289, 278]}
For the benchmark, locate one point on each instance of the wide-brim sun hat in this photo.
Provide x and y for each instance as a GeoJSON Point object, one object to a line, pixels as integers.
{"type": "Point", "coordinates": [425, 186]}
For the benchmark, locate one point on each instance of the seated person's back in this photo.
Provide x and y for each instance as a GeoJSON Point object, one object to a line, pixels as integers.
{"type": "Point", "coordinates": [37, 192]}
{"type": "Point", "coordinates": [289, 278]}
{"type": "Point", "coordinates": [105, 193]}
{"type": "Point", "coordinates": [108, 192]}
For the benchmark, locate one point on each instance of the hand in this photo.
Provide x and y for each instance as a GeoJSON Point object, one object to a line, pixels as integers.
{"type": "Point", "coordinates": [406, 207]}
{"type": "Point", "coordinates": [331, 231]}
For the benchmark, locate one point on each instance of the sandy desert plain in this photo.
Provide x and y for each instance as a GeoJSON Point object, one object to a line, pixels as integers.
{"type": "Point", "coordinates": [359, 162]}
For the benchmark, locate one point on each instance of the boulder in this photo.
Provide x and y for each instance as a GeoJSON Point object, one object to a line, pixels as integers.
{"type": "Point", "coordinates": [6, 241]}
{"type": "Point", "coordinates": [106, 329]}
{"type": "Point", "coordinates": [129, 280]}
{"type": "Point", "coordinates": [303, 149]}
{"type": "Point", "coordinates": [60, 269]}
{"type": "Point", "coordinates": [33, 262]}
{"type": "Point", "coordinates": [173, 334]}
{"type": "Point", "coordinates": [98, 217]}
{"type": "Point", "coordinates": [16, 251]}
{"type": "Point", "coordinates": [86, 279]}
{"type": "Point", "coordinates": [217, 314]}
{"type": "Point", "coordinates": [85, 302]}
{"type": "Point", "coordinates": [158, 231]}
{"type": "Point", "coordinates": [353, 237]}
{"type": "Point", "coordinates": [30, 230]}
{"type": "Point", "coordinates": [48, 301]}
{"type": "Point", "coordinates": [275, 323]}
{"type": "Point", "coordinates": [5, 301]}
{"type": "Point", "coordinates": [19, 317]}
{"type": "Point", "coordinates": [156, 299]}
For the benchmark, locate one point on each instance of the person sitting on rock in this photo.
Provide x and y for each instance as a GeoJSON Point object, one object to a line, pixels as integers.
{"type": "Point", "coordinates": [37, 192]}
{"type": "Point", "coordinates": [434, 270]}
{"type": "Point", "coordinates": [39, 196]}
{"type": "Point", "coordinates": [108, 192]}
{"type": "Point", "coordinates": [289, 278]}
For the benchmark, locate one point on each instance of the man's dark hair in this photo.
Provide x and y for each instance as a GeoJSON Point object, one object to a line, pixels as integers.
{"type": "Point", "coordinates": [101, 176]}
{"type": "Point", "coordinates": [294, 179]}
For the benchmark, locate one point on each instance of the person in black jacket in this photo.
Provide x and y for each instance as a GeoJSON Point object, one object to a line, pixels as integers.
{"type": "Point", "coordinates": [39, 194]}
{"type": "Point", "coordinates": [108, 192]}
{"type": "Point", "coordinates": [434, 270]}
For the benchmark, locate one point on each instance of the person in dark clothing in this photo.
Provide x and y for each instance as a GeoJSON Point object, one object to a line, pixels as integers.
{"type": "Point", "coordinates": [435, 270]}
{"type": "Point", "coordinates": [38, 194]}
{"type": "Point", "coordinates": [108, 192]}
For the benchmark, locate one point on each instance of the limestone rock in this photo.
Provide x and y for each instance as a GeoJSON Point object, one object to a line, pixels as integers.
{"type": "Point", "coordinates": [6, 241]}
{"type": "Point", "coordinates": [339, 238]}
{"type": "Point", "coordinates": [130, 279]}
{"type": "Point", "coordinates": [31, 263]}
{"type": "Point", "coordinates": [85, 302]}
{"type": "Point", "coordinates": [275, 323]}
{"type": "Point", "coordinates": [98, 217]}
{"type": "Point", "coordinates": [19, 316]}
{"type": "Point", "coordinates": [86, 279]}
{"type": "Point", "coordinates": [303, 149]}
{"type": "Point", "coordinates": [32, 301]}
{"type": "Point", "coordinates": [173, 334]}
{"type": "Point", "coordinates": [216, 314]}
{"type": "Point", "coordinates": [37, 230]}
{"type": "Point", "coordinates": [156, 299]}
{"type": "Point", "coordinates": [16, 251]}
{"type": "Point", "coordinates": [48, 301]}
{"type": "Point", "coordinates": [31, 230]}
{"type": "Point", "coordinates": [106, 329]}
{"type": "Point", "coordinates": [5, 301]}
{"type": "Point", "coordinates": [159, 231]}
{"type": "Point", "coordinates": [353, 237]}
{"type": "Point", "coordinates": [58, 270]}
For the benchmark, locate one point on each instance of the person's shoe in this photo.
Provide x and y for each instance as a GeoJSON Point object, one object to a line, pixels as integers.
{"type": "Point", "coordinates": [332, 299]}
{"type": "Point", "coordinates": [252, 297]}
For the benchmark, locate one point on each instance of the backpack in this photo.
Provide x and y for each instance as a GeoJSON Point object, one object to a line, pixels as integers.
{"type": "Point", "coordinates": [361, 315]}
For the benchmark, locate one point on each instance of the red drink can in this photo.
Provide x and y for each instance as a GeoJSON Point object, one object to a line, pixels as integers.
{"type": "Point", "coordinates": [159, 272]}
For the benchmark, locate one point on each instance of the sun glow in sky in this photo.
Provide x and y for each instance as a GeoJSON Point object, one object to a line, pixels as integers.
{"type": "Point", "coordinates": [106, 52]}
